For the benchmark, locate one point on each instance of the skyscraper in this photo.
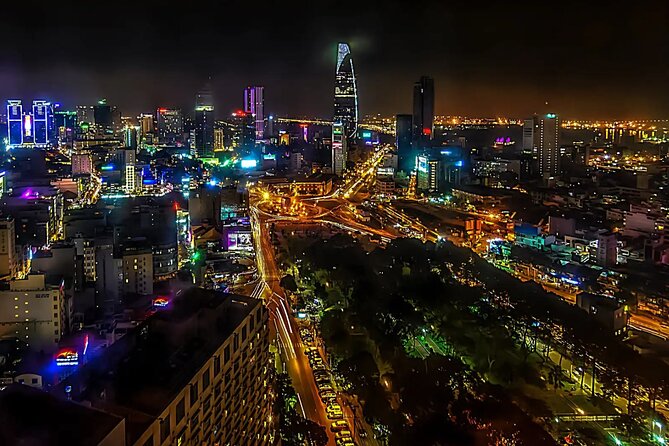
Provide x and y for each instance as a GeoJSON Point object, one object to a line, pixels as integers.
{"type": "Point", "coordinates": [170, 126]}
{"type": "Point", "coordinates": [423, 112]}
{"type": "Point", "coordinates": [530, 135]}
{"type": "Point", "coordinates": [339, 148]}
{"type": "Point", "coordinates": [42, 120]}
{"type": "Point", "coordinates": [14, 123]}
{"type": "Point", "coordinates": [254, 103]}
{"type": "Point", "coordinates": [403, 142]}
{"type": "Point", "coordinates": [346, 92]}
{"type": "Point", "coordinates": [204, 123]}
{"type": "Point", "coordinates": [549, 145]}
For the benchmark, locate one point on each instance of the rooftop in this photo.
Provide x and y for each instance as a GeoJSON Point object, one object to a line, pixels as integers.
{"type": "Point", "coordinates": [32, 417]}
{"type": "Point", "coordinates": [139, 375]}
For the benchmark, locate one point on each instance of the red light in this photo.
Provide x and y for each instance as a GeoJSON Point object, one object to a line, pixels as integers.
{"type": "Point", "coordinates": [162, 110]}
{"type": "Point", "coordinates": [427, 132]}
{"type": "Point", "coordinates": [239, 113]}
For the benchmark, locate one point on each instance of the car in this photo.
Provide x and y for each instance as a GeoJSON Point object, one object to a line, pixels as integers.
{"type": "Point", "coordinates": [334, 407]}
{"type": "Point", "coordinates": [338, 425]}
{"type": "Point", "coordinates": [327, 394]}
{"type": "Point", "coordinates": [335, 415]}
{"type": "Point", "coordinates": [310, 351]}
{"type": "Point", "coordinates": [343, 434]}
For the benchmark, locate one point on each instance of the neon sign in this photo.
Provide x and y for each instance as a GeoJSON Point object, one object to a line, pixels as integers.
{"type": "Point", "coordinates": [160, 302]}
{"type": "Point", "coordinates": [67, 357]}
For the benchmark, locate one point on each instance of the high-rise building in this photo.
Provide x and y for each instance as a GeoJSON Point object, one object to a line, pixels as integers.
{"type": "Point", "coordinates": [339, 148]}
{"type": "Point", "coordinates": [146, 123]}
{"type": "Point", "coordinates": [170, 126]}
{"type": "Point", "coordinates": [423, 112]}
{"type": "Point", "coordinates": [403, 132]}
{"type": "Point", "coordinates": [549, 145]}
{"type": "Point", "coordinates": [65, 124]}
{"type": "Point", "coordinates": [42, 120]}
{"type": "Point", "coordinates": [14, 123]}
{"type": "Point", "coordinates": [254, 103]}
{"type": "Point", "coordinates": [216, 388]}
{"type": "Point", "coordinates": [102, 115]}
{"type": "Point", "coordinates": [33, 128]}
{"type": "Point", "coordinates": [130, 137]}
{"type": "Point", "coordinates": [346, 92]}
{"type": "Point", "coordinates": [7, 247]}
{"type": "Point", "coordinates": [204, 123]}
{"type": "Point", "coordinates": [530, 135]}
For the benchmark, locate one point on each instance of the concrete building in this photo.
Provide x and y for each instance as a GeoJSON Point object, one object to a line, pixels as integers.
{"type": "Point", "coordinates": [34, 311]}
{"type": "Point", "coordinates": [607, 249]}
{"type": "Point", "coordinates": [196, 372]}
{"type": "Point", "coordinates": [32, 417]}
{"type": "Point", "coordinates": [8, 257]}
{"type": "Point", "coordinates": [604, 310]}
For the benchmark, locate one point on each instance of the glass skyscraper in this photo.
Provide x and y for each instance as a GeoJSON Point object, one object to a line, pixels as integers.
{"type": "Point", "coordinates": [346, 92]}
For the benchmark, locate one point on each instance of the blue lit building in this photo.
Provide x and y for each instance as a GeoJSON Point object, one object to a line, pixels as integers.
{"type": "Point", "coordinates": [14, 123]}
{"type": "Point", "coordinates": [31, 129]}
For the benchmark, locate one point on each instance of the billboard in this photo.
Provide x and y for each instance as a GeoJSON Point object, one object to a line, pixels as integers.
{"type": "Point", "coordinates": [249, 164]}
{"type": "Point", "coordinates": [240, 241]}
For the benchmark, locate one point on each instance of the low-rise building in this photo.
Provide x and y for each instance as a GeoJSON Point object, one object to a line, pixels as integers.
{"type": "Point", "coordinates": [605, 310]}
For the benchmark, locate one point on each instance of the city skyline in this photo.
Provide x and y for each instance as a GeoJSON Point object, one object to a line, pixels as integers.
{"type": "Point", "coordinates": [509, 61]}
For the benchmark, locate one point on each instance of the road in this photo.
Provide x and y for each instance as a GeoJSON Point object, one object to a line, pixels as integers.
{"type": "Point", "coordinates": [283, 325]}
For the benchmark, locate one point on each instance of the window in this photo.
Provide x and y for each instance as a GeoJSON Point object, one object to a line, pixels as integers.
{"type": "Point", "coordinates": [252, 324]}
{"type": "Point", "coordinates": [217, 365]}
{"type": "Point", "coordinates": [34, 380]}
{"type": "Point", "coordinates": [193, 393]}
{"type": "Point", "coordinates": [244, 333]}
{"type": "Point", "coordinates": [181, 410]}
{"type": "Point", "coordinates": [164, 429]}
{"type": "Point", "coordinates": [226, 353]}
{"type": "Point", "coordinates": [205, 379]}
{"type": "Point", "coordinates": [149, 441]}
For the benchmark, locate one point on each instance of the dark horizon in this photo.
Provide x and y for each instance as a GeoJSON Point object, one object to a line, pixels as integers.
{"type": "Point", "coordinates": [589, 61]}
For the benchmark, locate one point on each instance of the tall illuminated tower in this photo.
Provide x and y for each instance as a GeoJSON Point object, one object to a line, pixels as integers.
{"type": "Point", "coordinates": [346, 92]}
{"type": "Point", "coordinates": [204, 123]}
{"type": "Point", "coordinates": [170, 126]}
{"type": "Point", "coordinates": [254, 103]}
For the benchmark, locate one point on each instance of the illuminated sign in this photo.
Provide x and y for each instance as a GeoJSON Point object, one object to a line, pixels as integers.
{"type": "Point", "coordinates": [27, 125]}
{"type": "Point", "coordinates": [269, 156]}
{"type": "Point", "coordinates": [459, 163]}
{"type": "Point", "coordinates": [67, 357]}
{"type": "Point", "coordinates": [239, 241]}
{"type": "Point", "coordinates": [551, 116]}
{"type": "Point", "coordinates": [249, 164]}
{"type": "Point", "coordinates": [107, 167]}
{"type": "Point", "coordinates": [160, 301]}
{"type": "Point", "coordinates": [367, 134]}
{"type": "Point", "coordinates": [421, 164]}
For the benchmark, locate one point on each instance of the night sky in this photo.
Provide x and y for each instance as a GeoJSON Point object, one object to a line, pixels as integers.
{"type": "Point", "coordinates": [589, 59]}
